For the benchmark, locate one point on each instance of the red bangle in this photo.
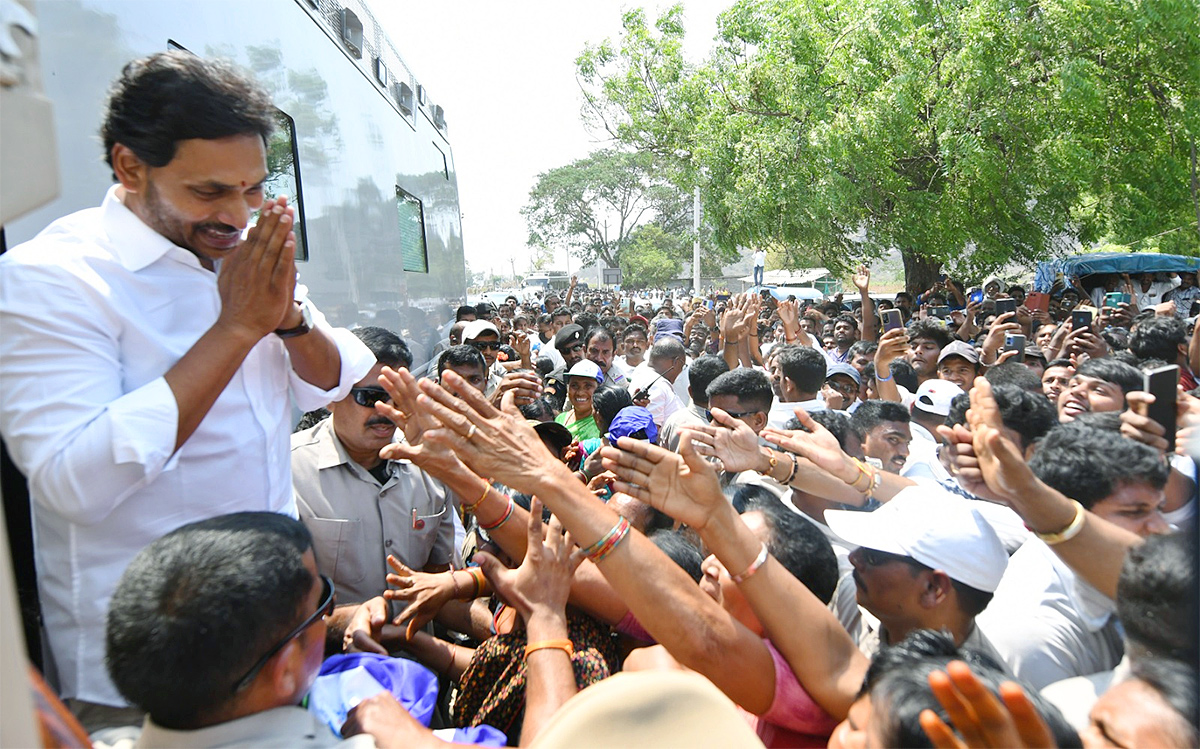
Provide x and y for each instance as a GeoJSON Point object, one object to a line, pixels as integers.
{"type": "Point", "coordinates": [759, 561]}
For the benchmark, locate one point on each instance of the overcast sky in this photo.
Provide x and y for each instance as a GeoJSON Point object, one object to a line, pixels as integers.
{"type": "Point", "coordinates": [505, 74]}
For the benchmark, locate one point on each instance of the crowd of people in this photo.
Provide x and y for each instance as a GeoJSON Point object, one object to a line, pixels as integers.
{"type": "Point", "coordinates": [955, 519]}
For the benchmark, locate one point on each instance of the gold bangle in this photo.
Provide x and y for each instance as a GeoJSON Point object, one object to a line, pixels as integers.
{"type": "Point", "coordinates": [1066, 534]}
{"type": "Point", "coordinates": [564, 645]}
{"type": "Point", "coordinates": [772, 461]}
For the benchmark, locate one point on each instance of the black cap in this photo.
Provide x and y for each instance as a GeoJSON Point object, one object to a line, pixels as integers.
{"type": "Point", "coordinates": [568, 336]}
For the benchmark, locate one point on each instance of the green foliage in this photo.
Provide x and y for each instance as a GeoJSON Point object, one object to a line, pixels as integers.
{"type": "Point", "coordinates": [968, 135]}
{"type": "Point", "coordinates": [650, 259]}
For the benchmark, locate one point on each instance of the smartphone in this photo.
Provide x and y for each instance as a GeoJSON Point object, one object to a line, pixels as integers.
{"type": "Point", "coordinates": [1014, 342]}
{"type": "Point", "coordinates": [1038, 301]}
{"type": "Point", "coordinates": [1081, 318]}
{"type": "Point", "coordinates": [1005, 305]}
{"type": "Point", "coordinates": [942, 312]}
{"type": "Point", "coordinates": [892, 320]}
{"type": "Point", "coordinates": [1115, 298]}
{"type": "Point", "coordinates": [1163, 384]}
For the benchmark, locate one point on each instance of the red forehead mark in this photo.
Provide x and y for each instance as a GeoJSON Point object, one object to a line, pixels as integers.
{"type": "Point", "coordinates": [243, 183]}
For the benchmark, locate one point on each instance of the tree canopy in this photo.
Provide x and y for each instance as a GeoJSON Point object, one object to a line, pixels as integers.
{"type": "Point", "coordinates": [596, 207]}
{"type": "Point", "coordinates": [967, 134]}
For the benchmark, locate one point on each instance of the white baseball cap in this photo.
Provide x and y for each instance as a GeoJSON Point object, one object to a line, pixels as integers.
{"type": "Point", "coordinates": [934, 396]}
{"type": "Point", "coordinates": [586, 368]}
{"type": "Point", "coordinates": [476, 328]}
{"type": "Point", "coordinates": [933, 527]}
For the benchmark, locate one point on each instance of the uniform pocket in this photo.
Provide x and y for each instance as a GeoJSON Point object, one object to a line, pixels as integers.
{"type": "Point", "coordinates": [340, 549]}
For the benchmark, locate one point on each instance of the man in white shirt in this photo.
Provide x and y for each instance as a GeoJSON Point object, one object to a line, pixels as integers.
{"type": "Point", "coordinates": [760, 266]}
{"type": "Point", "coordinates": [140, 389]}
{"type": "Point", "coordinates": [1047, 621]}
{"type": "Point", "coordinates": [797, 374]}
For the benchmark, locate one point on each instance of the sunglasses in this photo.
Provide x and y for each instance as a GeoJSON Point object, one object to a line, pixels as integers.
{"type": "Point", "coordinates": [741, 414]}
{"type": "Point", "coordinates": [486, 345]}
{"type": "Point", "coordinates": [368, 397]}
{"type": "Point", "coordinates": [324, 609]}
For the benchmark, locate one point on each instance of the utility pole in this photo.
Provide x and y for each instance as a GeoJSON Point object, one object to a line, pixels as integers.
{"type": "Point", "coordinates": [696, 242]}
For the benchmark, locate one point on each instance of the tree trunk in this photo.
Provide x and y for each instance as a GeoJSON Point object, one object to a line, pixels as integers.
{"type": "Point", "coordinates": [919, 273]}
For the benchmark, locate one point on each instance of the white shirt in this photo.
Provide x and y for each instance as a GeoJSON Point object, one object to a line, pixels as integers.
{"type": "Point", "coordinates": [781, 413]}
{"type": "Point", "coordinates": [663, 401]}
{"type": "Point", "coordinates": [1048, 623]}
{"type": "Point", "coordinates": [95, 310]}
{"type": "Point", "coordinates": [760, 258]}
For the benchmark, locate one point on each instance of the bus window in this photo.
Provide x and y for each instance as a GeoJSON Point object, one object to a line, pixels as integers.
{"type": "Point", "coordinates": [283, 175]}
{"type": "Point", "coordinates": [412, 232]}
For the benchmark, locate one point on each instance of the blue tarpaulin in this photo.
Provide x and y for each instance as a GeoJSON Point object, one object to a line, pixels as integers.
{"type": "Point", "coordinates": [1111, 262]}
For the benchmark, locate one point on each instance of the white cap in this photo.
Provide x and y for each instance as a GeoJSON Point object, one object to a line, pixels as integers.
{"type": "Point", "coordinates": [476, 328]}
{"type": "Point", "coordinates": [586, 368]}
{"type": "Point", "coordinates": [933, 527]}
{"type": "Point", "coordinates": [934, 396]}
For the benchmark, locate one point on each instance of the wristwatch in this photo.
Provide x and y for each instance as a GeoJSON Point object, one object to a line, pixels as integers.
{"type": "Point", "coordinates": [306, 323]}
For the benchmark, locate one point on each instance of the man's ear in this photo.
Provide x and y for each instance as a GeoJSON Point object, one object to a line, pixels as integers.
{"type": "Point", "coordinates": [284, 671]}
{"type": "Point", "coordinates": [937, 589]}
{"type": "Point", "coordinates": [131, 171]}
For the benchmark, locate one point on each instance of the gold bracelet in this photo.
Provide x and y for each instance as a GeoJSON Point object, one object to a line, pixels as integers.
{"type": "Point", "coordinates": [1066, 534]}
{"type": "Point", "coordinates": [564, 645]}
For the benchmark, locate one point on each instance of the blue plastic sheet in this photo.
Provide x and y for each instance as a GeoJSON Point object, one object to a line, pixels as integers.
{"type": "Point", "coordinates": [346, 680]}
{"type": "Point", "coordinates": [1111, 262]}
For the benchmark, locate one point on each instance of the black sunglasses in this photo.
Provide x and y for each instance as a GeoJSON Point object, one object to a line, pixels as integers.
{"type": "Point", "coordinates": [325, 608]}
{"type": "Point", "coordinates": [486, 345]}
{"type": "Point", "coordinates": [368, 397]}
{"type": "Point", "coordinates": [741, 414]}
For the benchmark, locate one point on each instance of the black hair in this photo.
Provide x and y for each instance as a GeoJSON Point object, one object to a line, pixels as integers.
{"type": "Point", "coordinates": [750, 386]}
{"type": "Point", "coordinates": [389, 349]}
{"type": "Point", "coordinates": [174, 96]}
{"type": "Point", "coordinates": [560, 311]}
{"type": "Point", "coordinates": [462, 355]}
{"type": "Point", "coordinates": [866, 348]}
{"type": "Point", "coordinates": [463, 311]}
{"type": "Point", "coordinates": [538, 409]}
{"type": "Point", "coordinates": [311, 418]}
{"type": "Point", "coordinates": [1109, 421]}
{"type": "Point", "coordinates": [635, 327]}
{"type": "Point", "coordinates": [836, 422]}
{"type": "Point", "coordinates": [933, 330]}
{"type": "Point", "coordinates": [898, 683]}
{"type": "Point", "coordinates": [1158, 338]}
{"type": "Point", "coordinates": [1108, 369]}
{"type": "Point", "coordinates": [544, 366]}
{"type": "Point", "coordinates": [803, 365]}
{"type": "Point", "coordinates": [680, 550]}
{"type": "Point", "coordinates": [1030, 415]}
{"type": "Point", "coordinates": [598, 331]}
{"type": "Point", "coordinates": [607, 401]}
{"type": "Point", "coordinates": [587, 321]}
{"type": "Point", "coordinates": [199, 606]}
{"type": "Point", "coordinates": [904, 375]}
{"type": "Point", "coordinates": [1089, 464]}
{"type": "Point", "coordinates": [1176, 683]}
{"type": "Point", "coordinates": [702, 373]}
{"type": "Point", "coordinates": [1156, 599]}
{"type": "Point", "coordinates": [795, 543]}
{"type": "Point", "coordinates": [1015, 374]}
{"type": "Point", "coordinates": [872, 413]}
{"type": "Point", "coordinates": [1059, 363]}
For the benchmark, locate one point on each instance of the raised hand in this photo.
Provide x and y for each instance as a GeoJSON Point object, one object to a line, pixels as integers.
{"type": "Point", "coordinates": [818, 445]}
{"type": "Point", "coordinates": [257, 282]}
{"type": "Point", "coordinates": [425, 592]}
{"type": "Point", "coordinates": [982, 720]}
{"type": "Point", "coordinates": [543, 581]}
{"type": "Point", "coordinates": [789, 315]}
{"type": "Point", "coordinates": [683, 485]}
{"type": "Point", "coordinates": [862, 278]}
{"type": "Point", "coordinates": [528, 387]}
{"type": "Point", "coordinates": [491, 442]}
{"type": "Point", "coordinates": [1001, 464]}
{"type": "Point", "coordinates": [732, 442]}
{"type": "Point", "coordinates": [893, 345]}
{"type": "Point", "coordinates": [402, 411]}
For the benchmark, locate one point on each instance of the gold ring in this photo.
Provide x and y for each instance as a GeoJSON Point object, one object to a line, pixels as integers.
{"type": "Point", "coordinates": [471, 431]}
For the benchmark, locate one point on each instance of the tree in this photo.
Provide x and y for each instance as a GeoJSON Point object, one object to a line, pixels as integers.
{"type": "Point", "coordinates": [593, 206]}
{"type": "Point", "coordinates": [651, 258]}
{"type": "Point", "coordinates": [968, 135]}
